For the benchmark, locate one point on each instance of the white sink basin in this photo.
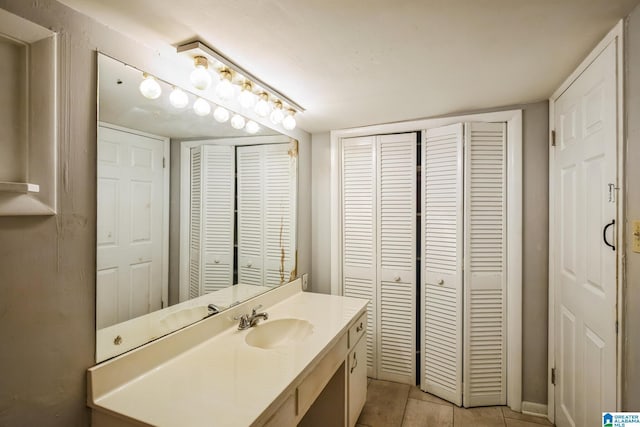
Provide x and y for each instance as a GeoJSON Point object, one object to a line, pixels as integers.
{"type": "Point", "coordinates": [279, 333]}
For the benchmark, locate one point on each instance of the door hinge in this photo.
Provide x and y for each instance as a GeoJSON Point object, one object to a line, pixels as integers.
{"type": "Point", "coordinates": [553, 138]}
{"type": "Point", "coordinates": [164, 162]}
{"type": "Point", "coordinates": [553, 376]}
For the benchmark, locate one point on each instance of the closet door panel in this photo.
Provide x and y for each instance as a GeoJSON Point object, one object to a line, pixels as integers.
{"type": "Point", "coordinates": [396, 212]}
{"type": "Point", "coordinates": [250, 215]}
{"type": "Point", "coordinates": [218, 193]}
{"type": "Point", "coordinates": [485, 257]}
{"type": "Point", "coordinates": [442, 245]}
{"type": "Point", "coordinates": [195, 223]}
{"type": "Point", "coordinates": [359, 231]}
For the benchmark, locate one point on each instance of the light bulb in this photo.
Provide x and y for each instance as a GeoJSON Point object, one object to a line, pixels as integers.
{"type": "Point", "coordinates": [289, 122]}
{"type": "Point", "coordinates": [277, 114]}
{"type": "Point", "coordinates": [149, 87]}
{"type": "Point", "coordinates": [262, 106]}
{"type": "Point", "coordinates": [178, 98]}
{"type": "Point", "coordinates": [221, 114]}
{"type": "Point", "coordinates": [237, 121]}
{"type": "Point", "coordinates": [252, 127]}
{"type": "Point", "coordinates": [200, 77]}
{"type": "Point", "coordinates": [247, 98]}
{"type": "Point", "coordinates": [224, 90]}
{"type": "Point", "coordinates": [201, 107]}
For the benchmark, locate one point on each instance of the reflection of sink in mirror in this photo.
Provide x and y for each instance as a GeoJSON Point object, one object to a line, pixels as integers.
{"type": "Point", "coordinates": [279, 333]}
{"type": "Point", "coordinates": [182, 318]}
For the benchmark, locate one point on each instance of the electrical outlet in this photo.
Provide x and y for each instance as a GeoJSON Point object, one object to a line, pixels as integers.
{"type": "Point", "coordinates": [305, 281]}
{"type": "Point", "coordinates": [635, 238]}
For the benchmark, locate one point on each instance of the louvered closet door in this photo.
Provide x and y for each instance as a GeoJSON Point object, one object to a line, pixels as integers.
{"type": "Point", "coordinates": [250, 216]}
{"type": "Point", "coordinates": [279, 214]}
{"type": "Point", "coordinates": [442, 245]}
{"type": "Point", "coordinates": [485, 255]}
{"type": "Point", "coordinates": [359, 262]}
{"type": "Point", "coordinates": [218, 193]}
{"type": "Point", "coordinates": [195, 223]}
{"type": "Point", "coordinates": [397, 257]}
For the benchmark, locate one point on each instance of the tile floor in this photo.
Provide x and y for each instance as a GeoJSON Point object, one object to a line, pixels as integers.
{"type": "Point", "coordinates": [391, 404]}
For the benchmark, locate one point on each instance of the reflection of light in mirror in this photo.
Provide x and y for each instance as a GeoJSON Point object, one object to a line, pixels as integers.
{"type": "Point", "coordinates": [200, 77]}
{"type": "Point", "coordinates": [252, 127]}
{"type": "Point", "coordinates": [262, 106]}
{"type": "Point", "coordinates": [149, 87]}
{"type": "Point", "coordinates": [221, 114]}
{"type": "Point", "coordinates": [237, 121]}
{"type": "Point", "coordinates": [201, 107]}
{"type": "Point", "coordinates": [178, 98]}
{"type": "Point", "coordinates": [289, 122]}
{"type": "Point", "coordinates": [277, 115]}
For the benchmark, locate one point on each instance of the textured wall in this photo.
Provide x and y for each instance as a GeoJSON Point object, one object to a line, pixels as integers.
{"type": "Point", "coordinates": [535, 239]}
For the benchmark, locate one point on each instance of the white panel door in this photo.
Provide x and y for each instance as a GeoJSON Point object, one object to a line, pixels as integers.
{"type": "Point", "coordinates": [585, 274]}
{"type": "Point", "coordinates": [195, 223]}
{"type": "Point", "coordinates": [218, 198]}
{"type": "Point", "coordinates": [442, 246]}
{"type": "Point", "coordinates": [485, 293]}
{"type": "Point", "coordinates": [130, 213]}
{"type": "Point", "coordinates": [396, 253]}
{"type": "Point", "coordinates": [279, 189]}
{"type": "Point", "coordinates": [359, 225]}
{"type": "Point", "coordinates": [250, 215]}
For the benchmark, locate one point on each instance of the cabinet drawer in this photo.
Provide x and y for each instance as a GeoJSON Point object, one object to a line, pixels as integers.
{"type": "Point", "coordinates": [357, 329]}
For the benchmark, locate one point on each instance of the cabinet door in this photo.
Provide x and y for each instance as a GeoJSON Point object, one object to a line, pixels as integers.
{"type": "Point", "coordinates": [357, 380]}
{"type": "Point", "coordinates": [359, 261]}
{"type": "Point", "coordinates": [442, 243]}
{"type": "Point", "coordinates": [396, 275]}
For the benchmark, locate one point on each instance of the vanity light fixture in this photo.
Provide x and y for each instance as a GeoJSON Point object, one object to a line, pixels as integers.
{"type": "Point", "coordinates": [277, 115]}
{"type": "Point", "coordinates": [201, 107]}
{"type": "Point", "coordinates": [178, 98]}
{"type": "Point", "coordinates": [200, 77]}
{"type": "Point", "coordinates": [247, 98]}
{"type": "Point", "coordinates": [224, 89]}
{"type": "Point", "coordinates": [262, 106]}
{"type": "Point", "coordinates": [221, 114]}
{"type": "Point", "coordinates": [237, 121]}
{"type": "Point", "coordinates": [252, 127]}
{"type": "Point", "coordinates": [289, 122]}
{"type": "Point", "coordinates": [149, 87]}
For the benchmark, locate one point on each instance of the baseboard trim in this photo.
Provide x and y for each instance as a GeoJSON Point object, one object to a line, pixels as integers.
{"type": "Point", "coordinates": [535, 409]}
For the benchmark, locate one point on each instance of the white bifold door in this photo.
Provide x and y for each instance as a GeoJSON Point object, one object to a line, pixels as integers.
{"type": "Point", "coordinates": [463, 257]}
{"type": "Point", "coordinates": [211, 232]}
{"type": "Point", "coordinates": [267, 188]}
{"type": "Point", "coordinates": [379, 247]}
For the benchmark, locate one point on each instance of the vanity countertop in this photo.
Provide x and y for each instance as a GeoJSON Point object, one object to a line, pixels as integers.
{"type": "Point", "coordinates": [223, 381]}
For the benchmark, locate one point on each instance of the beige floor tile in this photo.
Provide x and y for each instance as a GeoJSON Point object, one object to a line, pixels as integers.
{"type": "Point", "coordinates": [478, 417]}
{"type": "Point", "coordinates": [420, 413]}
{"type": "Point", "coordinates": [416, 393]}
{"type": "Point", "coordinates": [385, 404]}
{"type": "Point", "coordinates": [519, 423]}
{"type": "Point", "coordinates": [508, 413]}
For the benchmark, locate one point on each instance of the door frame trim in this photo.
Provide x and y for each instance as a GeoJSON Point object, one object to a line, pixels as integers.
{"type": "Point", "coordinates": [513, 118]}
{"type": "Point", "coordinates": [616, 35]}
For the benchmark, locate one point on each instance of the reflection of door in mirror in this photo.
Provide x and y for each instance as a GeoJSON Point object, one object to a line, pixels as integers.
{"type": "Point", "coordinates": [131, 238]}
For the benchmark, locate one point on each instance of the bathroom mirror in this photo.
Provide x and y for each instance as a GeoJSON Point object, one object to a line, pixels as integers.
{"type": "Point", "coordinates": [193, 215]}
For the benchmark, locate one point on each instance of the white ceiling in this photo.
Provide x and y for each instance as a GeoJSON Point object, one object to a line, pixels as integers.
{"type": "Point", "coordinates": [352, 63]}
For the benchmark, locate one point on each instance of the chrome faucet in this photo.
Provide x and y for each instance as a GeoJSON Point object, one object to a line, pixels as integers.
{"type": "Point", "coordinates": [250, 320]}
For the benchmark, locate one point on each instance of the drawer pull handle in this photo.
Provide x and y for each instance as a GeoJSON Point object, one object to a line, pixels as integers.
{"type": "Point", "coordinates": [359, 327]}
{"type": "Point", "coordinates": [440, 282]}
{"type": "Point", "coordinates": [355, 362]}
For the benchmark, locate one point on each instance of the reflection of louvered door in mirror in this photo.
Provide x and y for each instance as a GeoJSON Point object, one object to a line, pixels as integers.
{"type": "Point", "coordinates": [464, 222]}
{"type": "Point", "coordinates": [379, 257]}
{"type": "Point", "coordinates": [212, 231]}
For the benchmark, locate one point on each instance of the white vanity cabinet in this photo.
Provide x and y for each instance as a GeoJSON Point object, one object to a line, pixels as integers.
{"type": "Point", "coordinates": [357, 371]}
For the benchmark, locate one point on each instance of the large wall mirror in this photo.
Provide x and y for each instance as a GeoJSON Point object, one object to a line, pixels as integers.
{"type": "Point", "coordinates": [194, 215]}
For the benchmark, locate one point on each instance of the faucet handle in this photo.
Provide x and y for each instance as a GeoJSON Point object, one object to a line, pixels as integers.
{"type": "Point", "coordinates": [255, 309]}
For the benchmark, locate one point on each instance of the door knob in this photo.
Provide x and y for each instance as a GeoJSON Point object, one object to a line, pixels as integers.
{"type": "Point", "coordinates": [440, 282]}
{"type": "Point", "coordinates": [397, 278]}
